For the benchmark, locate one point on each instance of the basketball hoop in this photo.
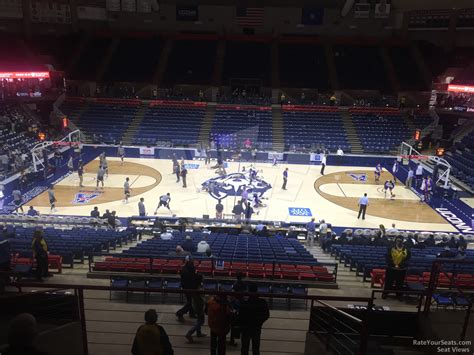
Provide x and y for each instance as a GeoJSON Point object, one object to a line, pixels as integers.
{"type": "Point", "coordinates": [65, 143]}
{"type": "Point", "coordinates": [415, 157]}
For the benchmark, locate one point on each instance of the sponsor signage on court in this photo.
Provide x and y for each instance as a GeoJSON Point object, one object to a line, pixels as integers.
{"type": "Point", "coordinates": [147, 151]}
{"type": "Point", "coordinates": [191, 166]}
{"type": "Point", "coordinates": [360, 177]}
{"type": "Point", "coordinates": [455, 220]}
{"type": "Point", "coordinates": [299, 211]}
{"type": "Point", "coordinates": [81, 198]}
{"type": "Point", "coordinates": [234, 184]}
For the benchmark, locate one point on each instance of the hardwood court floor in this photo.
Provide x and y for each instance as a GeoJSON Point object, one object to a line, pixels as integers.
{"type": "Point", "coordinates": [333, 197]}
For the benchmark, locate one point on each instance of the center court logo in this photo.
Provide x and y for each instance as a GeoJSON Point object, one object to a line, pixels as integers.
{"type": "Point", "coordinates": [234, 184]}
{"type": "Point", "coordinates": [362, 177]}
{"type": "Point", "coordinates": [81, 198]}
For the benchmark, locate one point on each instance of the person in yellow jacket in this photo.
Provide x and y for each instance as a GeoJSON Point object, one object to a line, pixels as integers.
{"type": "Point", "coordinates": [151, 338]}
{"type": "Point", "coordinates": [397, 261]}
{"type": "Point", "coordinates": [40, 253]}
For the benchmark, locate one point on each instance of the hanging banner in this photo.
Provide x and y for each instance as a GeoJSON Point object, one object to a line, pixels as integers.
{"type": "Point", "coordinates": [11, 9]}
{"type": "Point", "coordinates": [187, 13]}
{"type": "Point", "coordinates": [144, 6]}
{"type": "Point", "coordinates": [129, 6]}
{"type": "Point", "coordinates": [382, 9]}
{"type": "Point", "coordinates": [112, 5]}
{"type": "Point", "coordinates": [91, 13]}
{"type": "Point", "coordinates": [361, 10]}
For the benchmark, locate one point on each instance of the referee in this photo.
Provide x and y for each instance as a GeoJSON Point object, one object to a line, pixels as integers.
{"type": "Point", "coordinates": [363, 203]}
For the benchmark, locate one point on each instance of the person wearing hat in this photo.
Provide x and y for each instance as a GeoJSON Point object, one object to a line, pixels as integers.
{"type": "Point", "coordinates": [151, 338]}
{"type": "Point", "coordinates": [397, 259]}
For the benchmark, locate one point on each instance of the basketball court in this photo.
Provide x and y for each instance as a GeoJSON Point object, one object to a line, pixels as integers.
{"type": "Point", "coordinates": [333, 197]}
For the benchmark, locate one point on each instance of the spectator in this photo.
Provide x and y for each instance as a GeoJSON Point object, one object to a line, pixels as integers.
{"type": "Point", "coordinates": [141, 207]}
{"type": "Point", "coordinates": [40, 253]}
{"type": "Point", "coordinates": [209, 253]}
{"type": "Point", "coordinates": [188, 244]}
{"type": "Point", "coordinates": [21, 336]}
{"type": "Point", "coordinates": [151, 338]}
{"type": "Point", "coordinates": [430, 241]}
{"type": "Point", "coordinates": [253, 313]}
{"type": "Point", "coordinates": [188, 282]}
{"type": "Point", "coordinates": [238, 211]}
{"type": "Point", "coordinates": [179, 251]}
{"type": "Point", "coordinates": [219, 315]}
{"type": "Point", "coordinates": [452, 243]}
{"type": "Point", "coordinates": [248, 213]}
{"type": "Point", "coordinates": [397, 259]}
{"type": "Point", "coordinates": [446, 253]}
{"type": "Point", "coordinates": [219, 209]}
{"type": "Point", "coordinates": [462, 242]}
{"type": "Point", "coordinates": [203, 246]}
{"type": "Point", "coordinates": [311, 230]}
{"type": "Point", "coordinates": [393, 229]}
{"type": "Point", "coordinates": [5, 260]}
{"type": "Point", "coordinates": [106, 215]}
{"type": "Point", "coordinates": [112, 220]}
{"type": "Point", "coordinates": [95, 212]}
{"type": "Point", "coordinates": [323, 228]}
{"type": "Point", "coordinates": [238, 286]}
{"type": "Point", "coordinates": [198, 306]}
{"type": "Point", "coordinates": [32, 212]}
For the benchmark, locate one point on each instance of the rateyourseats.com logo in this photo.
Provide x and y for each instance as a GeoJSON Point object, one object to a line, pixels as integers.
{"type": "Point", "coordinates": [446, 346]}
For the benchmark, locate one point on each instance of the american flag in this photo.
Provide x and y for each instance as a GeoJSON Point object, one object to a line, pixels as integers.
{"type": "Point", "coordinates": [250, 16]}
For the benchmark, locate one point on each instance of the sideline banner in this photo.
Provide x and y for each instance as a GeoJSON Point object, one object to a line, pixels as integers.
{"type": "Point", "coordinates": [147, 151]}
{"type": "Point", "coordinates": [315, 157]}
{"type": "Point", "coordinates": [276, 155]}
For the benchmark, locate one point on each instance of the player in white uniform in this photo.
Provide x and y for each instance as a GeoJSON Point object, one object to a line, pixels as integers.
{"type": "Point", "coordinates": [121, 153]}
{"type": "Point", "coordinates": [164, 201]}
{"type": "Point", "coordinates": [389, 186]}
{"type": "Point", "coordinates": [377, 173]}
{"type": "Point", "coordinates": [126, 190]}
{"type": "Point", "coordinates": [100, 177]}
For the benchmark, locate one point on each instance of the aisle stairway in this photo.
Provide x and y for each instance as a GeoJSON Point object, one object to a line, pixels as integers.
{"type": "Point", "coordinates": [129, 134]}
{"type": "Point", "coordinates": [352, 137]}
{"type": "Point", "coordinates": [278, 137]}
{"type": "Point", "coordinates": [206, 125]}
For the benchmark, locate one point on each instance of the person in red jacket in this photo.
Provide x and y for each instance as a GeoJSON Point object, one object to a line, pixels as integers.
{"type": "Point", "coordinates": [219, 313]}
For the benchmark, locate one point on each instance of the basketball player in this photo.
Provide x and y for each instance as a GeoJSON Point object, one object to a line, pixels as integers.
{"type": "Point", "coordinates": [100, 177]}
{"type": "Point", "coordinates": [80, 172]}
{"type": "Point", "coordinates": [121, 153]}
{"type": "Point", "coordinates": [17, 200]}
{"type": "Point", "coordinates": [426, 188]}
{"type": "Point", "coordinates": [389, 186]}
{"type": "Point", "coordinates": [164, 201]}
{"type": "Point", "coordinates": [105, 166]}
{"type": "Point", "coordinates": [126, 189]}
{"type": "Point", "coordinates": [70, 164]}
{"type": "Point", "coordinates": [52, 198]}
{"type": "Point", "coordinates": [377, 173]}
{"type": "Point", "coordinates": [101, 158]}
{"type": "Point", "coordinates": [395, 168]}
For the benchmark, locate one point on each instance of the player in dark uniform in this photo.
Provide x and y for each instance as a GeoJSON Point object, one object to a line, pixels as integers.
{"type": "Point", "coordinates": [80, 172]}
{"type": "Point", "coordinates": [389, 186]}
